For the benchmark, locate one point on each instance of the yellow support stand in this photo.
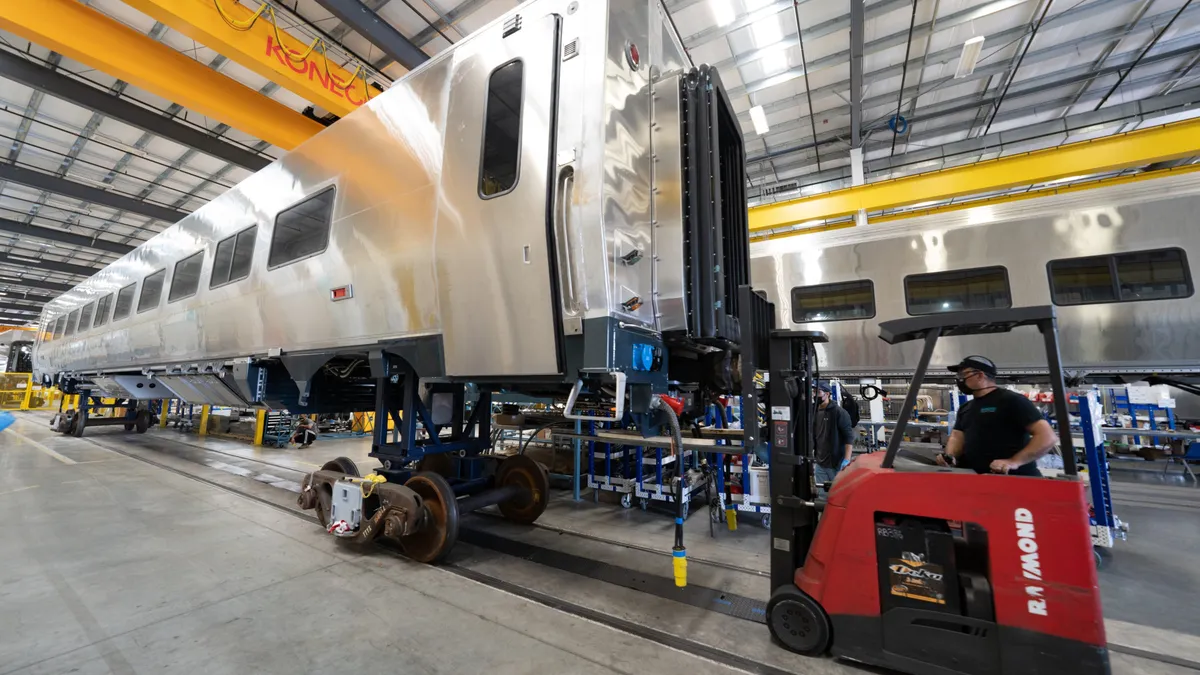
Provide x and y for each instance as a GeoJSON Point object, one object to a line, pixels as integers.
{"type": "Point", "coordinates": [260, 425]}
{"type": "Point", "coordinates": [204, 419]}
{"type": "Point", "coordinates": [162, 414]}
{"type": "Point", "coordinates": [28, 393]}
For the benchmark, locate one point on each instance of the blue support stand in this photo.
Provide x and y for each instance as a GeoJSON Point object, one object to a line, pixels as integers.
{"type": "Point", "coordinates": [1097, 462]}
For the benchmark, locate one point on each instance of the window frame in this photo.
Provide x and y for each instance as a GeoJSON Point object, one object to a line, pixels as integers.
{"type": "Point", "coordinates": [175, 276]}
{"type": "Point", "coordinates": [870, 284]}
{"type": "Point", "coordinates": [90, 308]}
{"type": "Point", "coordinates": [908, 303]}
{"type": "Point", "coordinates": [107, 301]}
{"type": "Point", "coordinates": [275, 227]}
{"type": "Point", "coordinates": [233, 256]}
{"type": "Point", "coordinates": [484, 125]}
{"type": "Point", "coordinates": [132, 302]}
{"type": "Point", "coordinates": [55, 333]}
{"type": "Point", "coordinates": [1116, 278]}
{"type": "Point", "coordinates": [72, 322]}
{"type": "Point", "coordinates": [158, 301]}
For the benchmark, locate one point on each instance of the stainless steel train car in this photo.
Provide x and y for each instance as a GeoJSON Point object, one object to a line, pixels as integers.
{"type": "Point", "coordinates": [555, 206]}
{"type": "Point", "coordinates": [1116, 261]}
{"type": "Point", "coordinates": [522, 210]}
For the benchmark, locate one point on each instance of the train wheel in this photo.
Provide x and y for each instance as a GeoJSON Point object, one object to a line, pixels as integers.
{"type": "Point", "coordinates": [342, 464]}
{"type": "Point", "coordinates": [143, 421]}
{"type": "Point", "coordinates": [531, 475]}
{"type": "Point", "coordinates": [798, 622]}
{"type": "Point", "coordinates": [440, 530]}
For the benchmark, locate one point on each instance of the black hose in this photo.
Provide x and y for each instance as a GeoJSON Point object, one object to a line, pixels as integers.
{"type": "Point", "coordinates": [537, 431]}
{"type": "Point", "coordinates": [679, 552]}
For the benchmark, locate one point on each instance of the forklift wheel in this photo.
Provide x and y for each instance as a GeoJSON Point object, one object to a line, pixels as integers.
{"type": "Point", "coordinates": [798, 622]}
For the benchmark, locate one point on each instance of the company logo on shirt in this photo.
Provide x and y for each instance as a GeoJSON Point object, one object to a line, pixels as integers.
{"type": "Point", "coordinates": [990, 409]}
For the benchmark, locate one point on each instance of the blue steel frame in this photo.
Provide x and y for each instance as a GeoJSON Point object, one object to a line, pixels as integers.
{"type": "Point", "coordinates": [398, 400]}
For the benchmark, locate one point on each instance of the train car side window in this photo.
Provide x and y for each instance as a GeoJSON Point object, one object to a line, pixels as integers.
{"type": "Point", "coordinates": [1153, 275]}
{"type": "Point", "coordinates": [152, 287]}
{"type": "Point", "coordinates": [72, 321]}
{"type": "Point", "coordinates": [102, 306]}
{"type": "Point", "coordinates": [500, 163]}
{"type": "Point", "coordinates": [302, 230]}
{"type": "Point", "coordinates": [124, 304]}
{"type": "Point", "coordinates": [834, 302]}
{"type": "Point", "coordinates": [232, 259]}
{"type": "Point", "coordinates": [185, 281]}
{"type": "Point", "coordinates": [956, 290]}
{"type": "Point", "coordinates": [1082, 281]}
{"type": "Point", "coordinates": [1121, 277]}
{"type": "Point", "coordinates": [60, 324]}
{"type": "Point", "coordinates": [85, 317]}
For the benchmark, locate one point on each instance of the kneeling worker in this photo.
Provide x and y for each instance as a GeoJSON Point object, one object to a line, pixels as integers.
{"type": "Point", "coordinates": [999, 431]}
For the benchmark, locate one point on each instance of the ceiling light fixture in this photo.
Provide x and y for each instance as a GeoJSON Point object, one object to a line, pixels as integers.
{"type": "Point", "coordinates": [970, 55]}
{"type": "Point", "coordinates": [722, 11]}
{"type": "Point", "coordinates": [22, 259]}
{"type": "Point", "coordinates": [759, 119]}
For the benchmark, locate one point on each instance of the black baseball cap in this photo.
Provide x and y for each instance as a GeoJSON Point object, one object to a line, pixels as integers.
{"type": "Point", "coordinates": [823, 385]}
{"type": "Point", "coordinates": [981, 363]}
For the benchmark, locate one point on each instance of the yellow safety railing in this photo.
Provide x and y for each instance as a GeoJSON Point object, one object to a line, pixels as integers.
{"type": "Point", "coordinates": [18, 391]}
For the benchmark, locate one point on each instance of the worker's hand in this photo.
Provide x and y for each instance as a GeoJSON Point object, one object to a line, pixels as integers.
{"type": "Point", "coordinates": [1003, 466]}
{"type": "Point", "coordinates": [845, 463]}
{"type": "Point", "coordinates": [944, 460]}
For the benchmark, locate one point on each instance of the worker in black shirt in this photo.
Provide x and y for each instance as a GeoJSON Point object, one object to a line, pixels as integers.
{"type": "Point", "coordinates": [999, 431]}
{"type": "Point", "coordinates": [833, 435]}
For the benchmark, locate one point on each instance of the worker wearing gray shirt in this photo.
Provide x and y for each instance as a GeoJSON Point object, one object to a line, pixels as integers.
{"type": "Point", "coordinates": [833, 437]}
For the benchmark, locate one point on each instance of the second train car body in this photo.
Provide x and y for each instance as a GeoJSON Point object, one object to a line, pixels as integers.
{"type": "Point", "coordinates": [1116, 261]}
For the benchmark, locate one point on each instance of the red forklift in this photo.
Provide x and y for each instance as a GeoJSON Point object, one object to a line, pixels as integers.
{"type": "Point", "coordinates": [921, 568]}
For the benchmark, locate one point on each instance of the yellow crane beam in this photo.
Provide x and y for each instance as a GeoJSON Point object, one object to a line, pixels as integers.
{"type": "Point", "coordinates": [1111, 153]}
{"type": "Point", "coordinates": [81, 33]}
{"type": "Point", "coordinates": [254, 40]}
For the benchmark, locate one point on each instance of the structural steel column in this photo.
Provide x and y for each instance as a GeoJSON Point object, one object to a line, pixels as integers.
{"type": "Point", "coordinates": [1111, 153]}
{"type": "Point", "coordinates": [204, 410]}
{"type": "Point", "coordinates": [256, 44]}
{"type": "Point", "coordinates": [83, 34]}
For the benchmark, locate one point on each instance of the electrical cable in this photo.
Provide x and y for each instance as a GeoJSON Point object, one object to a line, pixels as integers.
{"type": "Point", "coordinates": [294, 56]}
{"type": "Point", "coordinates": [537, 431]}
{"type": "Point", "coordinates": [679, 552]}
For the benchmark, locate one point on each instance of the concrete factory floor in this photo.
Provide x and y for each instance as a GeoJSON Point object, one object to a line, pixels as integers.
{"type": "Point", "coordinates": [164, 552]}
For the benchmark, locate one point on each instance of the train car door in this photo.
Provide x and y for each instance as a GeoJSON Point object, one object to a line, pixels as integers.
{"type": "Point", "coordinates": [496, 288]}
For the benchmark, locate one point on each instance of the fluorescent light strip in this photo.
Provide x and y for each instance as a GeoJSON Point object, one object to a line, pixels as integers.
{"type": "Point", "coordinates": [759, 119]}
{"type": "Point", "coordinates": [970, 55]}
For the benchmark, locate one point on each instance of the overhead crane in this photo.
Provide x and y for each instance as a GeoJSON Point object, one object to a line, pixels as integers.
{"type": "Point", "coordinates": [255, 40]}
{"type": "Point", "coordinates": [88, 36]}
{"type": "Point", "coordinates": [1110, 153]}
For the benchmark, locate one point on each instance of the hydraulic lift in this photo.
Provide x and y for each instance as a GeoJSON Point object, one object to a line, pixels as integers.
{"type": "Point", "coordinates": [922, 568]}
